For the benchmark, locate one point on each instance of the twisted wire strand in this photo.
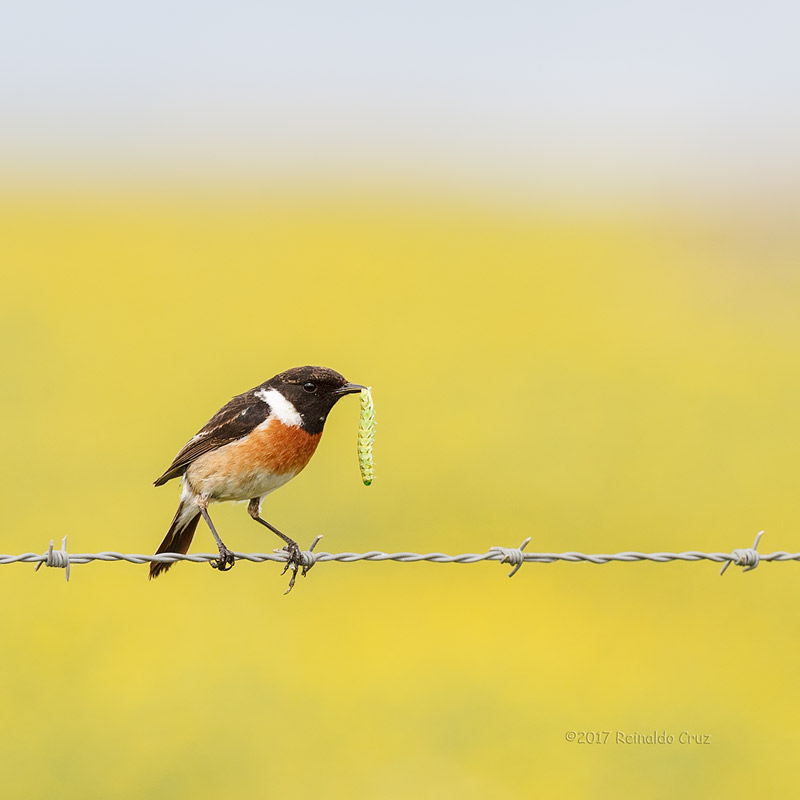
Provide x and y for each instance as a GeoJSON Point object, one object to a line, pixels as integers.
{"type": "Point", "coordinates": [748, 558]}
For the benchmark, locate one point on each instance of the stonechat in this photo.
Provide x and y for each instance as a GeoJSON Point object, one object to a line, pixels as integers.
{"type": "Point", "coordinates": [252, 446]}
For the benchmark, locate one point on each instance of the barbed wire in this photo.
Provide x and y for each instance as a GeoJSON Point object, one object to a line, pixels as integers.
{"type": "Point", "coordinates": [748, 558]}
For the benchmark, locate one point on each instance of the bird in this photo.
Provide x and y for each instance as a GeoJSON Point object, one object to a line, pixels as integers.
{"type": "Point", "coordinates": [253, 445]}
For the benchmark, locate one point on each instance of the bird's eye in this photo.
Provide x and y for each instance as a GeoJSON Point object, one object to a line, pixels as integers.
{"type": "Point", "coordinates": [309, 386]}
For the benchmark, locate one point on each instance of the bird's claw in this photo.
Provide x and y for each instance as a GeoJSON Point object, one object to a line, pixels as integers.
{"type": "Point", "coordinates": [225, 561]}
{"type": "Point", "coordinates": [295, 561]}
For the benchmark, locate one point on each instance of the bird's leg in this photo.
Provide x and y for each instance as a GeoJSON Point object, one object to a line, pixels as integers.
{"type": "Point", "coordinates": [294, 561]}
{"type": "Point", "coordinates": [226, 559]}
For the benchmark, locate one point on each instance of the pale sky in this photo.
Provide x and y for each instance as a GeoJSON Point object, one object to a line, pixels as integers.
{"type": "Point", "coordinates": [530, 90]}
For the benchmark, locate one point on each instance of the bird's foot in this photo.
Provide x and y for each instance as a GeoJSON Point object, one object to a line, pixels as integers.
{"type": "Point", "coordinates": [225, 561]}
{"type": "Point", "coordinates": [295, 561]}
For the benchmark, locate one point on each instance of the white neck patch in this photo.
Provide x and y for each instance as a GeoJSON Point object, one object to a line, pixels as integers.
{"type": "Point", "coordinates": [280, 407]}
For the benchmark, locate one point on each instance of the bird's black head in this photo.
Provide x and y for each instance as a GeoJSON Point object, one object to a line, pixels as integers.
{"type": "Point", "coordinates": [312, 392]}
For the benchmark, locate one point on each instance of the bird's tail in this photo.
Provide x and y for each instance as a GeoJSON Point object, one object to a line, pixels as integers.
{"type": "Point", "coordinates": [178, 537]}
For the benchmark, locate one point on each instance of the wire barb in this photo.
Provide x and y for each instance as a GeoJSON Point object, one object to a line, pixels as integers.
{"type": "Point", "coordinates": [308, 557]}
{"type": "Point", "coordinates": [746, 557]}
{"type": "Point", "coordinates": [56, 558]}
{"type": "Point", "coordinates": [512, 555]}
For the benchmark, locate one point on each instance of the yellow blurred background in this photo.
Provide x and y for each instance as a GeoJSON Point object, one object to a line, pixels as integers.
{"type": "Point", "coordinates": [601, 384]}
{"type": "Point", "coordinates": [560, 242]}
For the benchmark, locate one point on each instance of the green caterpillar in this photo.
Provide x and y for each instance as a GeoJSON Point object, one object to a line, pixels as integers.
{"type": "Point", "coordinates": [366, 437]}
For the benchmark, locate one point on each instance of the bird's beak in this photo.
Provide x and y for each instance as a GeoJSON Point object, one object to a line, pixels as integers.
{"type": "Point", "coordinates": [351, 388]}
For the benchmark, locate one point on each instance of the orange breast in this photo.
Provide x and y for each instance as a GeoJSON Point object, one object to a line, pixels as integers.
{"type": "Point", "coordinates": [278, 448]}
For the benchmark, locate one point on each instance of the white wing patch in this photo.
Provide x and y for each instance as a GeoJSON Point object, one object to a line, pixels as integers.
{"type": "Point", "coordinates": [280, 407]}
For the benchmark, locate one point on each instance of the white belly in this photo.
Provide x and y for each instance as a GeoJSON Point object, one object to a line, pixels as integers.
{"type": "Point", "coordinates": [258, 483]}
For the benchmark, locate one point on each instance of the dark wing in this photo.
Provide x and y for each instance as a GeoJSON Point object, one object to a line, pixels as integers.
{"type": "Point", "coordinates": [233, 421]}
